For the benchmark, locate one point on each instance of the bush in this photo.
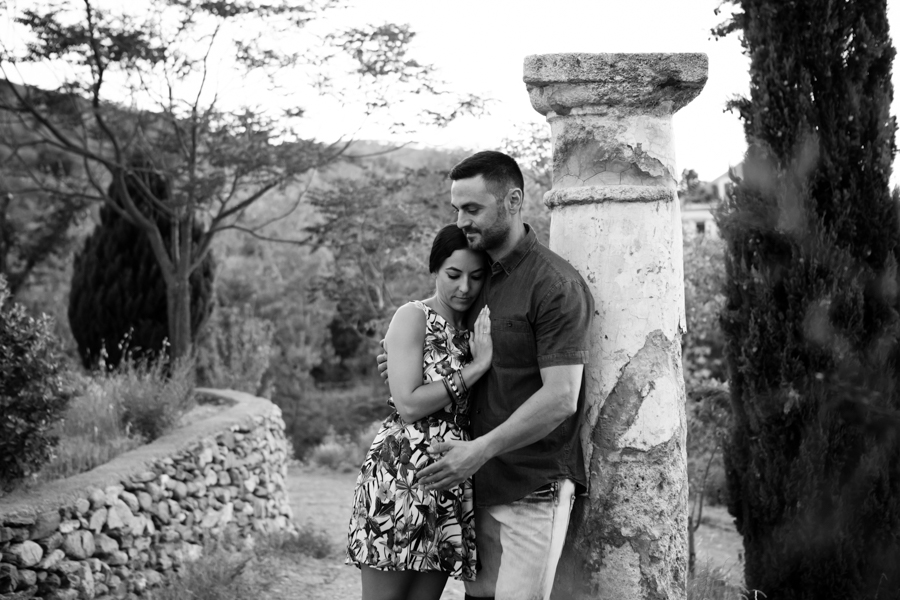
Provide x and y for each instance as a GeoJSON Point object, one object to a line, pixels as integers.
{"type": "Point", "coordinates": [344, 452]}
{"type": "Point", "coordinates": [349, 411]}
{"type": "Point", "coordinates": [32, 393]}
{"type": "Point", "coordinates": [235, 352]}
{"type": "Point", "coordinates": [152, 394]}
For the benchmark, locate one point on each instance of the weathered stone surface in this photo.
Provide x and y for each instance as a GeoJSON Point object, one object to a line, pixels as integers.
{"type": "Point", "coordinates": [9, 578]}
{"type": "Point", "coordinates": [45, 524]}
{"type": "Point", "coordinates": [27, 578]}
{"type": "Point", "coordinates": [156, 491]}
{"type": "Point", "coordinates": [24, 554]}
{"type": "Point", "coordinates": [117, 558]}
{"type": "Point", "coordinates": [144, 477]}
{"type": "Point", "coordinates": [69, 526]}
{"type": "Point", "coordinates": [104, 545]}
{"type": "Point", "coordinates": [79, 544]}
{"type": "Point", "coordinates": [560, 82]}
{"type": "Point", "coordinates": [130, 501]}
{"type": "Point", "coordinates": [51, 542]}
{"type": "Point", "coordinates": [97, 498]}
{"type": "Point", "coordinates": [145, 501]}
{"type": "Point", "coordinates": [82, 506]}
{"type": "Point", "coordinates": [615, 219]}
{"type": "Point", "coordinates": [51, 560]}
{"type": "Point", "coordinates": [98, 519]}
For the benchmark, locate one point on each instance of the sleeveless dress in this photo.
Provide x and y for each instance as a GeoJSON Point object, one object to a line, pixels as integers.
{"type": "Point", "coordinates": [395, 525]}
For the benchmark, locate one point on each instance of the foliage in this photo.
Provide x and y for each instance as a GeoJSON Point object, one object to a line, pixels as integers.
{"type": "Point", "coordinates": [811, 317]}
{"type": "Point", "coordinates": [152, 394]}
{"type": "Point", "coordinates": [36, 229]}
{"type": "Point", "coordinates": [91, 431]}
{"type": "Point", "coordinates": [344, 452]}
{"type": "Point", "coordinates": [236, 352]}
{"type": "Point", "coordinates": [235, 569]}
{"type": "Point", "coordinates": [32, 392]}
{"type": "Point", "coordinates": [137, 79]}
{"type": "Point", "coordinates": [704, 283]}
{"type": "Point", "coordinates": [710, 583]}
{"type": "Point", "coordinates": [118, 299]}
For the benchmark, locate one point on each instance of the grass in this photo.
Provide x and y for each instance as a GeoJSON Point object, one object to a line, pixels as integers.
{"type": "Point", "coordinates": [235, 570]}
{"type": "Point", "coordinates": [711, 583]}
{"type": "Point", "coordinates": [344, 452]}
{"type": "Point", "coordinates": [115, 412]}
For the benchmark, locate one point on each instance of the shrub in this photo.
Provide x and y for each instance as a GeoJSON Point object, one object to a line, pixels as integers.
{"type": "Point", "coordinates": [345, 451]}
{"type": "Point", "coordinates": [235, 351]}
{"type": "Point", "coordinates": [152, 395]}
{"type": "Point", "coordinates": [32, 392]}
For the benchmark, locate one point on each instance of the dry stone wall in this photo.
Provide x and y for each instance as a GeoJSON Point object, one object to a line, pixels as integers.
{"type": "Point", "coordinates": [129, 524]}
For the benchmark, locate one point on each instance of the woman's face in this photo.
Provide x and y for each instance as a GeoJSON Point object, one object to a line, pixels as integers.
{"type": "Point", "coordinates": [460, 278]}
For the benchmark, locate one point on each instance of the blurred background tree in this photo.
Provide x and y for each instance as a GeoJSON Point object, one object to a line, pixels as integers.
{"type": "Point", "coordinates": [811, 317]}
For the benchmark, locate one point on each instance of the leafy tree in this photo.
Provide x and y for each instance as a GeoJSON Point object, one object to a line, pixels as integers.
{"type": "Point", "coordinates": [811, 316]}
{"type": "Point", "coordinates": [32, 394]}
{"type": "Point", "coordinates": [35, 228]}
{"type": "Point", "coordinates": [117, 302]}
{"type": "Point", "coordinates": [140, 80]}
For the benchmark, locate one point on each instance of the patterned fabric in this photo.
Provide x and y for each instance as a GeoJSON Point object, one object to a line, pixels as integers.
{"type": "Point", "coordinates": [396, 526]}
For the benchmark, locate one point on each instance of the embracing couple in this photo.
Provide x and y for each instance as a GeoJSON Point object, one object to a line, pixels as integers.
{"type": "Point", "coordinates": [474, 473]}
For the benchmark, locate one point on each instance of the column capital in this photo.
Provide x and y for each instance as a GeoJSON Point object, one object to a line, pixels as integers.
{"type": "Point", "coordinates": [648, 83]}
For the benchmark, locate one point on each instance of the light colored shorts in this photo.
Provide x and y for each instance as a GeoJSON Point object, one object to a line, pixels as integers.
{"type": "Point", "coordinates": [519, 544]}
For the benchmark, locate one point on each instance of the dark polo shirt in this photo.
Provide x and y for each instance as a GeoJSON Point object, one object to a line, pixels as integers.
{"type": "Point", "coordinates": [541, 312]}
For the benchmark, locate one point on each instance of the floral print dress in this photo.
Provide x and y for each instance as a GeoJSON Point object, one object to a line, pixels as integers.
{"type": "Point", "coordinates": [395, 525]}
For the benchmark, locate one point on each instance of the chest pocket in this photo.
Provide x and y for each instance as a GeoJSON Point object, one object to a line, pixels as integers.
{"type": "Point", "coordinates": [513, 341]}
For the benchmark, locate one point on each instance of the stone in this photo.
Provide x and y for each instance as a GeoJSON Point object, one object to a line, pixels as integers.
{"type": "Point", "coordinates": [145, 501]}
{"type": "Point", "coordinates": [112, 493]}
{"type": "Point", "coordinates": [154, 579]}
{"type": "Point", "coordinates": [117, 586]}
{"type": "Point", "coordinates": [211, 478]}
{"type": "Point", "coordinates": [86, 585]}
{"type": "Point", "coordinates": [104, 545]}
{"type": "Point", "coordinates": [210, 519]}
{"type": "Point", "coordinates": [156, 491]}
{"type": "Point", "coordinates": [69, 526]}
{"type": "Point", "coordinates": [44, 525]}
{"type": "Point", "coordinates": [144, 477]}
{"type": "Point", "coordinates": [51, 560]}
{"type": "Point", "coordinates": [97, 498]}
{"type": "Point", "coordinates": [98, 519]}
{"type": "Point", "coordinates": [117, 558]}
{"type": "Point", "coordinates": [82, 506]}
{"type": "Point", "coordinates": [63, 594]}
{"type": "Point", "coordinates": [69, 567]}
{"type": "Point", "coordinates": [130, 501]}
{"type": "Point", "coordinates": [9, 578]}
{"type": "Point", "coordinates": [164, 562]}
{"type": "Point", "coordinates": [79, 544]}
{"type": "Point", "coordinates": [180, 490]}
{"type": "Point", "coordinates": [24, 554]}
{"type": "Point", "coordinates": [51, 542]}
{"type": "Point", "coordinates": [27, 578]}
{"type": "Point", "coordinates": [205, 457]}
{"type": "Point", "coordinates": [227, 513]}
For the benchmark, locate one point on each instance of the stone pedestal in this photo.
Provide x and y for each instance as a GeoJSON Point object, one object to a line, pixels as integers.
{"type": "Point", "coordinates": [615, 217]}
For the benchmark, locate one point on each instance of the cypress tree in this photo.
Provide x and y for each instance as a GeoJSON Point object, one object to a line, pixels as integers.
{"type": "Point", "coordinates": [811, 319]}
{"type": "Point", "coordinates": [118, 296]}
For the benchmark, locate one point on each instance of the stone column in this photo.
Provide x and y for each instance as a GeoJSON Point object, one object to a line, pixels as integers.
{"type": "Point", "coordinates": [616, 218]}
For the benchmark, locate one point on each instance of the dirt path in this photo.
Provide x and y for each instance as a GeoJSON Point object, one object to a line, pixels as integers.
{"type": "Point", "coordinates": [322, 498]}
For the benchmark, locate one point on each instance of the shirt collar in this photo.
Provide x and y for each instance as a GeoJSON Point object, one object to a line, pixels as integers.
{"type": "Point", "coordinates": [509, 262]}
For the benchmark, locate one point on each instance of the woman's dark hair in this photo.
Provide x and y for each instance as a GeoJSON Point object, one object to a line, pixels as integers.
{"type": "Point", "coordinates": [447, 241]}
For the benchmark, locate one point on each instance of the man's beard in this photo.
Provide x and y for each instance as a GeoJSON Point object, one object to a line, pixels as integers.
{"type": "Point", "coordinates": [495, 235]}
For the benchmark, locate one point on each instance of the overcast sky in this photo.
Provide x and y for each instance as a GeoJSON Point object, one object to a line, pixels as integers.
{"type": "Point", "coordinates": [479, 46]}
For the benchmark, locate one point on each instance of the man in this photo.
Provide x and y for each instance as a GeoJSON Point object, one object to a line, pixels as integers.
{"type": "Point", "coordinates": [526, 454]}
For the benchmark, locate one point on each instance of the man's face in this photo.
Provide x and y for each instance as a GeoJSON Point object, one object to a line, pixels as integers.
{"type": "Point", "coordinates": [482, 217]}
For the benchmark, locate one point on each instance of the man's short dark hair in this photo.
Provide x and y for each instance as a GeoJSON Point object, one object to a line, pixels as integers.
{"type": "Point", "coordinates": [500, 172]}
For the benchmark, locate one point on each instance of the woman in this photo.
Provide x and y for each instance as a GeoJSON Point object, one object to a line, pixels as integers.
{"type": "Point", "coordinates": [407, 541]}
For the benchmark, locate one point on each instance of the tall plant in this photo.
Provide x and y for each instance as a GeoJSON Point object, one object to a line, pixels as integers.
{"type": "Point", "coordinates": [811, 318]}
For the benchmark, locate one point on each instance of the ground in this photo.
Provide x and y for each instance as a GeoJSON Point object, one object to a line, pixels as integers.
{"type": "Point", "coordinates": [322, 498]}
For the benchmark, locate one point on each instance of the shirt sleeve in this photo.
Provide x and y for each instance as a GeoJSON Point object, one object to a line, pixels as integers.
{"type": "Point", "coordinates": [563, 327]}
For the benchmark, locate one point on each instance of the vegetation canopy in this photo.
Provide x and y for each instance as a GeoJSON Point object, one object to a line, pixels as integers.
{"type": "Point", "coordinates": [162, 81]}
{"type": "Point", "coordinates": [811, 313]}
